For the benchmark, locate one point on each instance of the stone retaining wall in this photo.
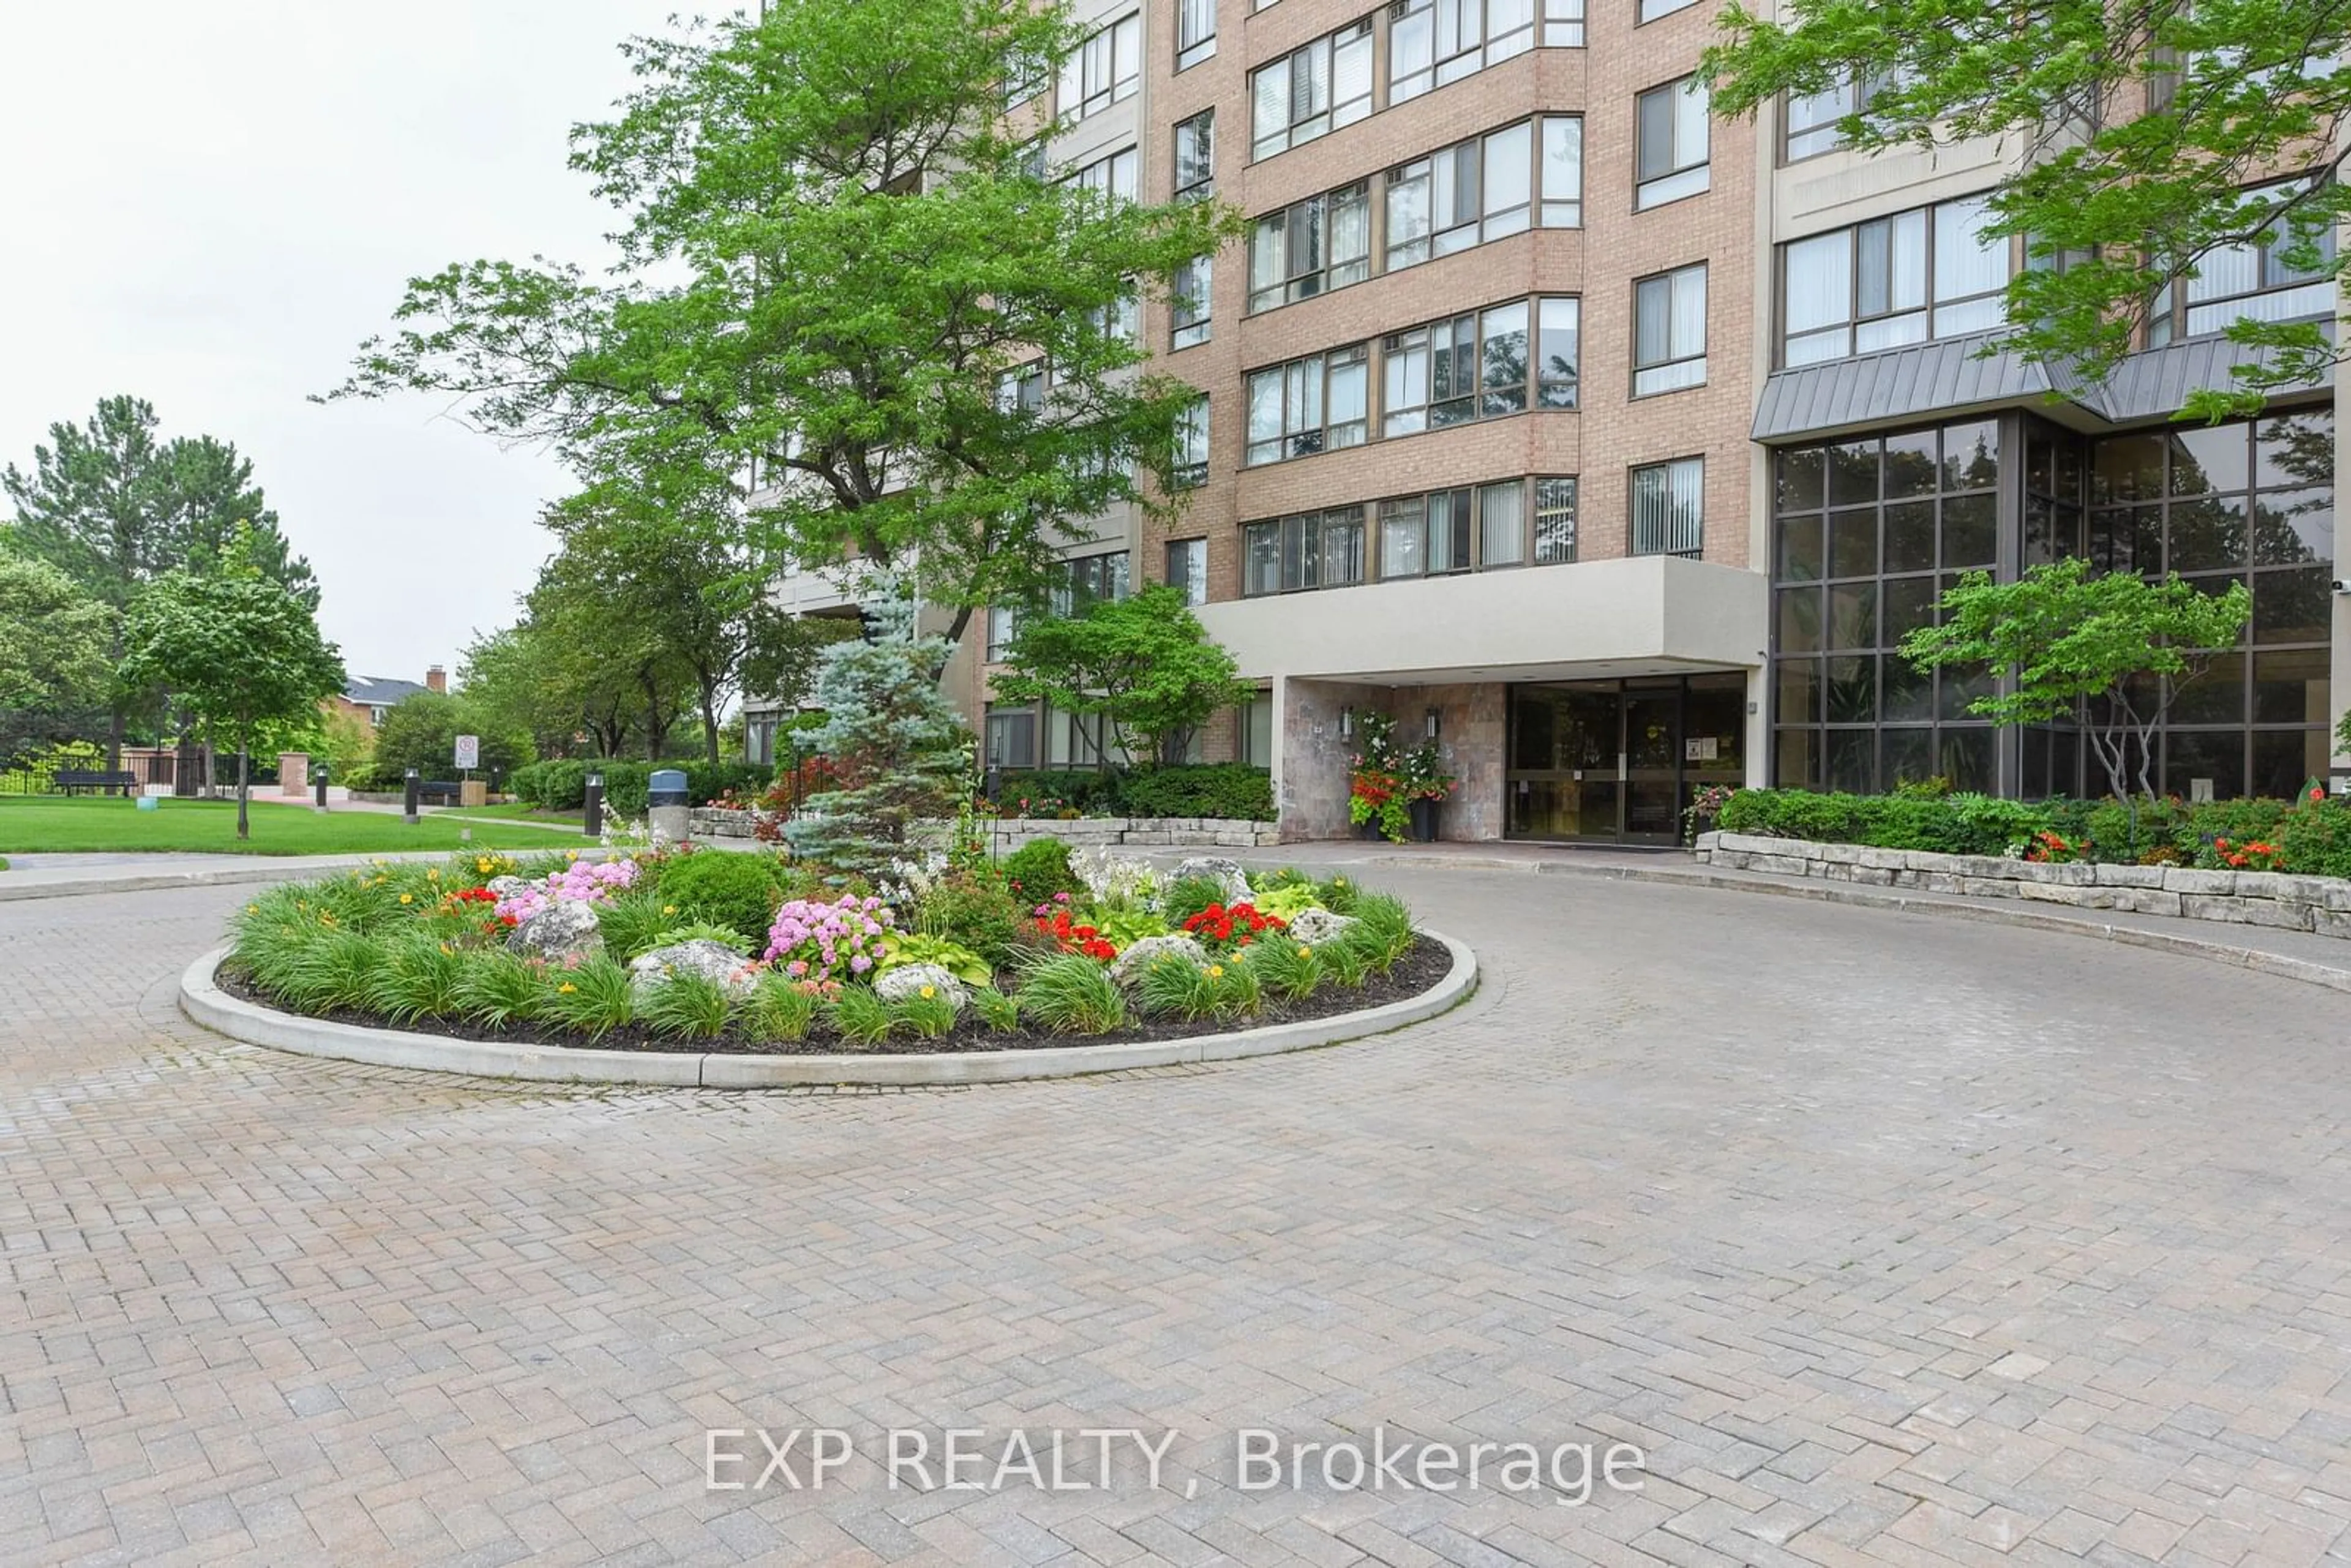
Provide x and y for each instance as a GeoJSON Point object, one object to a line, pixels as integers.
{"type": "Point", "coordinates": [1010, 833]}
{"type": "Point", "coordinates": [2319, 904]}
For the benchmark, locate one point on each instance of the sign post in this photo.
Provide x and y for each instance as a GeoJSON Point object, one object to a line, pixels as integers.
{"type": "Point", "coordinates": [470, 792]}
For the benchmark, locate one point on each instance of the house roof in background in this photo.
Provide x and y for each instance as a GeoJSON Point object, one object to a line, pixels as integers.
{"type": "Point", "coordinates": [379, 691]}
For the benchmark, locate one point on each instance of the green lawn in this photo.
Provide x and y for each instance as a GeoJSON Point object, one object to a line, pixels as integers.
{"type": "Point", "coordinates": [94, 824]}
{"type": "Point", "coordinates": [515, 813]}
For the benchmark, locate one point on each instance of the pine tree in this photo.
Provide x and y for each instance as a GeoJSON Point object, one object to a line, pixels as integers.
{"type": "Point", "coordinates": [903, 754]}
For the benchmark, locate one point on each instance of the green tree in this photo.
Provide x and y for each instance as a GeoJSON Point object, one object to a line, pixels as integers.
{"type": "Point", "coordinates": [2144, 128]}
{"type": "Point", "coordinates": [420, 731]}
{"type": "Point", "coordinates": [54, 675]}
{"type": "Point", "coordinates": [662, 552]}
{"type": "Point", "coordinates": [2109, 652]}
{"type": "Point", "coordinates": [901, 748]}
{"type": "Point", "coordinates": [836, 245]}
{"type": "Point", "coordinates": [1144, 664]}
{"type": "Point", "coordinates": [520, 680]}
{"type": "Point", "coordinates": [115, 509]}
{"type": "Point", "coordinates": [237, 651]}
{"type": "Point", "coordinates": [612, 662]}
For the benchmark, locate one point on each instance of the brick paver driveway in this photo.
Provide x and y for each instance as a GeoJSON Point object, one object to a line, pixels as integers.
{"type": "Point", "coordinates": [1888, 1239]}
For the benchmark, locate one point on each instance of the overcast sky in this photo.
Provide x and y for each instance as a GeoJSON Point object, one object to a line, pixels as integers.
{"type": "Point", "coordinates": [210, 205]}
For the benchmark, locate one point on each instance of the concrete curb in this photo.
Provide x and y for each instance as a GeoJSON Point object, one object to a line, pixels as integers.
{"type": "Point", "coordinates": [206, 1004]}
{"type": "Point", "coordinates": [1999, 913]}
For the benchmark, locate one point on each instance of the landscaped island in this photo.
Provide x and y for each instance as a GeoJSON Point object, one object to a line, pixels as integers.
{"type": "Point", "coordinates": [715, 951]}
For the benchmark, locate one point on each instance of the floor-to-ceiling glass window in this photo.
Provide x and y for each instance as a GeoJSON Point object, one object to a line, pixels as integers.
{"type": "Point", "coordinates": [1867, 534]}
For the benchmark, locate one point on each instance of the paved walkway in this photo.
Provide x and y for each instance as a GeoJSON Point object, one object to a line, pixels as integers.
{"type": "Point", "coordinates": [1889, 1240]}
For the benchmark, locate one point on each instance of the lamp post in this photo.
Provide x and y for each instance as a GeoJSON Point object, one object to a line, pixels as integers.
{"type": "Point", "coordinates": [594, 800]}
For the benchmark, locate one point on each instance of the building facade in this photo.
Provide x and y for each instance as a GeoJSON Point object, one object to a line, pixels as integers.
{"type": "Point", "coordinates": [1617, 445]}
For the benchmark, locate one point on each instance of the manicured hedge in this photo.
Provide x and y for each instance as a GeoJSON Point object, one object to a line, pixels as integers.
{"type": "Point", "coordinates": [1232, 790]}
{"type": "Point", "coordinates": [2311, 836]}
{"type": "Point", "coordinates": [562, 785]}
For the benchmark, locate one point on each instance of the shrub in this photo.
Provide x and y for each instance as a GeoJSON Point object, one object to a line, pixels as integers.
{"type": "Point", "coordinates": [633, 924]}
{"type": "Point", "coordinates": [996, 1010]}
{"type": "Point", "coordinates": [779, 1008]}
{"type": "Point", "coordinates": [1189, 897]}
{"type": "Point", "coordinates": [917, 947]}
{"type": "Point", "coordinates": [685, 1006]}
{"type": "Point", "coordinates": [1385, 929]}
{"type": "Point", "coordinates": [736, 890]}
{"type": "Point", "coordinates": [496, 989]}
{"type": "Point", "coordinates": [1946, 824]}
{"type": "Point", "coordinates": [1073, 995]}
{"type": "Point", "coordinates": [1171, 986]}
{"type": "Point", "coordinates": [1039, 869]}
{"type": "Point", "coordinates": [829, 943]}
{"type": "Point", "coordinates": [862, 1019]}
{"type": "Point", "coordinates": [1231, 790]}
{"type": "Point", "coordinates": [420, 981]}
{"type": "Point", "coordinates": [925, 1017]}
{"type": "Point", "coordinates": [977, 910]}
{"type": "Point", "coordinates": [595, 999]}
{"type": "Point", "coordinates": [1288, 969]}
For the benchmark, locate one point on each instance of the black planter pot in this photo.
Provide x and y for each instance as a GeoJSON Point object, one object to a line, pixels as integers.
{"type": "Point", "coordinates": [1370, 829]}
{"type": "Point", "coordinates": [1424, 820]}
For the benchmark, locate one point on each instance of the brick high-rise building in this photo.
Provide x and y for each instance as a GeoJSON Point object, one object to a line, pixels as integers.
{"type": "Point", "coordinates": [1618, 444]}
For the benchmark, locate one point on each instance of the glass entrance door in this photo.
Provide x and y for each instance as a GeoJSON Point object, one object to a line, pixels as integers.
{"type": "Point", "coordinates": [1653, 752]}
{"type": "Point", "coordinates": [1619, 762]}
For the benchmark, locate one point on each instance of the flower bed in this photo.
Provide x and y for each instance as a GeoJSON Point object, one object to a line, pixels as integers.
{"type": "Point", "coordinates": [650, 952]}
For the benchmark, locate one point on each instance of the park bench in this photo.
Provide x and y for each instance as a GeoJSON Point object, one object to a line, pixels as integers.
{"type": "Point", "coordinates": [73, 780]}
{"type": "Point", "coordinates": [438, 792]}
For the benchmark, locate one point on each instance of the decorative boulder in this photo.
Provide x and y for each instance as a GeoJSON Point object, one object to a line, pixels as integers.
{"type": "Point", "coordinates": [1216, 868]}
{"type": "Point", "coordinates": [507, 887]}
{"type": "Point", "coordinates": [1128, 967]}
{"type": "Point", "coordinates": [907, 980]}
{"type": "Point", "coordinates": [1317, 925]}
{"type": "Point", "coordinates": [561, 931]}
{"type": "Point", "coordinates": [714, 961]}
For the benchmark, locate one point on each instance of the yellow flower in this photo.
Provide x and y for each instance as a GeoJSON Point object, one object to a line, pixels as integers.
{"type": "Point", "coordinates": [252, 909]}
{"type": "Point", "coordinates": [669, 909]}
{"type": "Point", "coordinates": [480, 863]}
{"type": "Point", "coordinates": [432, 875]}
{"type": "Point", "coordinates": [1216, 971]}
{"type": "Point", "coordinates": [446, 948]}
{"type": "Point", "coordinates": [567, 988]}
{"type": "Point", "coordinates": [571, 854]}
{"type": "Point", "coordinates": [1304, 951]}
{"type": "Point", "coordinates": [1338, 881]}
{"type": "Point", "coordinates": [407, 898]}
{"type": "Point", "coordinates": [929, 991]}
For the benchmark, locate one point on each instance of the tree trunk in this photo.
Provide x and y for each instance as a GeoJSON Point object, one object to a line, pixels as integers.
{"type": "Point", "coordinates": [243, 827]}
{"type": "Point", "coordinates": [709, 733]}
{"type": "Point", "coordinates": [956, 628]}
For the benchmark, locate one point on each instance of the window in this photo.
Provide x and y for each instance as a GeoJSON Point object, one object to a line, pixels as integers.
{"type": "Point", "coordinates": [1563, 24]}
{"type": "Point", "coordinates": [1309, 405]}
{"type": "Point", "coordinates": [1089, 580]}
{"type": "Point", "coordinates": [1671, 160]}
{"type": "Point", "coordinates": [1433, 42]}
{"type": "Point", "coordinates": [1651, 9]}
{"type": "Point", "coordinates": [1322, 243]}
{"type": "Point", "coordinates": [1104, 70]}
{"type": "Point", "coordinates": [1192, 444]}
{"type": "Point", "coordinates": [1188, 302]}
{"type": "Point", "coordinates": [1196, 32]}
{"type": "Point", "coordinates": [1907, 279]}
{"type": "Point", "coordinates": [1669, 331]}
{"type": "Point", "coordinates": [1557, 331]}
{"type": "Point", "coordinates": [1120, 319]}
{"type": "Point", "coordinates": [2255, 281]}
{"type": "Point", "coordinates": [1187, 569]}
{"type": "Point", "coordinates": [1114, 176]}
{"type": "Point", "coordinates": [1196, 156]}
{"type": "Point", "coordinates": [759, 741]}
{"type": "Point", "coordinates": [1554, 521]}
{"type": "Point", "coordinates": [1253, 730]}
{"type": "Point", "coordinates": [1476, 366]}
{"type": "Point", "coordinates": [1003, 626]}
{"type": "Point", "coordinates": [1425, 536]}
{"type": "Point", "coordinates": [1562, 171]}
{"type": "Point", "coordinates": [1312, 91]}
{"type": "Point", "coordinates": [1866, 534]}
{"type": "Point", "coordinates": [1312, 549]}
{"type": "Point", "coordinates": [1670, 507]}
{"type": "Point", "coordinates": [1022, 391]}
{"type": "Point", "coordinates": [1810, 126]}
{"type": "Point", "coordinates": [1011, 739]}
{"type": "Point", "coordinates": [1464, 195]}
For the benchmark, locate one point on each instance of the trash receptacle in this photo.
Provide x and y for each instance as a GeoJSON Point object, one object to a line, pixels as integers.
{"type": "Point", "coordinates": [666, 809]}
